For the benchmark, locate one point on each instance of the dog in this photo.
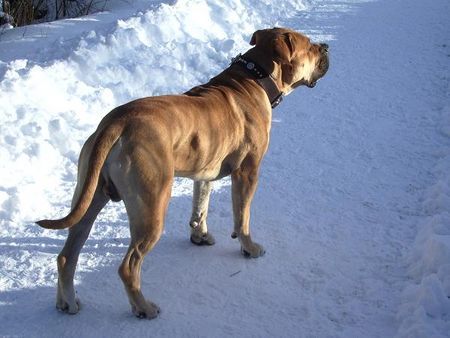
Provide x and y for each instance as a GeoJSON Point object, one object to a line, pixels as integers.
{"type": "Point", "coordinates": [214, 130]}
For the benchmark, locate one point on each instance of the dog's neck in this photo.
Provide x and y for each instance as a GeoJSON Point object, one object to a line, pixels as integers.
{"type": "Point", "coordinates": [263, 78]}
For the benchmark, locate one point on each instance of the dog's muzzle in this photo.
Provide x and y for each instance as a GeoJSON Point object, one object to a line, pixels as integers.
{"type": "Point", "coordinates": [322, 66]}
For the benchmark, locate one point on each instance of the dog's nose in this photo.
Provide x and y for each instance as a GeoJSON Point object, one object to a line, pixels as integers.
{"type": "Point", "coordinates": [324, 48]}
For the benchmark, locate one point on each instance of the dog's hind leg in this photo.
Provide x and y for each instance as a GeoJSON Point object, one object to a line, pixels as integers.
{"type": "Point", "coordinates": [68, 258]}
{"type": "Point", "coordinates": [200, 202]}
{"type": "Point", "coordinates": [146, 203]}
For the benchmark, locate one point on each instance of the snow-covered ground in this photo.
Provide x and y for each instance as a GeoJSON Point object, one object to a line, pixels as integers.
{"type": "Point", "coordinates": [353, 205]}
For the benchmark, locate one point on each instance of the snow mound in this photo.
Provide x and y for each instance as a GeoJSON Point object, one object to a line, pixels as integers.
{"type": "Point", "coordinates": [425, 310]}
{"type": "Point", "coordinates": [53, 106]}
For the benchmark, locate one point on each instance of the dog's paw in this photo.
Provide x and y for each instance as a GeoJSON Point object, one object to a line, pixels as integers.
{"type": "Point", "coordinates": [206, 239]}
{"type": "Point", "coordinates": [149, 311]}
{"type": "Point", "coordinates": [70, 308]}
{"type": "Point", "coordinates": [253, 250]}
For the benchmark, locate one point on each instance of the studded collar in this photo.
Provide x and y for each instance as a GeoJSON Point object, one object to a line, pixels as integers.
{"type": "Point", "coordinates": [263, 78]}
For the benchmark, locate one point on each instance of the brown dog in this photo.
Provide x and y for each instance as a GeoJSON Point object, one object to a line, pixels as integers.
{"type": "Point", "coordinates": [211, 131]}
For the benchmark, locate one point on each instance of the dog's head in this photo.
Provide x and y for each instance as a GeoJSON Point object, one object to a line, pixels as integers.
{"type": "Point", "coordinates": [290, 56]}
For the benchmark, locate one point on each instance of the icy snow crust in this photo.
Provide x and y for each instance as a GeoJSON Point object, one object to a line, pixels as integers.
{"type": "Point", "coordinates": [353, 204]}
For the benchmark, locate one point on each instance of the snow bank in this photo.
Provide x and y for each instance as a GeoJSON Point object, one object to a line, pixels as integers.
{"type": "Point", "coordinates": [49, 108]}
{"type": "Point", "coordinates": [425, 310]}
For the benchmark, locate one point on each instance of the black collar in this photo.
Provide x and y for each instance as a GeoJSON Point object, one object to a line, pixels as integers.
{"type": "Point", "coordinates": [263, 78]}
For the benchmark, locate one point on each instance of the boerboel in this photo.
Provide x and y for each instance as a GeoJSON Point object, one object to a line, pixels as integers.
{"type": "Point", "coordinates": [217, 129]}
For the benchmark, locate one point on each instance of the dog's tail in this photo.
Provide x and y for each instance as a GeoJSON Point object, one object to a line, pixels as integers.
{"type": "Point", "coordinates": [102, 146]}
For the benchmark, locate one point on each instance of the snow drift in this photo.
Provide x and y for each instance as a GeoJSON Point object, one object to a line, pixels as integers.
{"type": "Point", "coordinates": [425, 310]}
{"type": "Point", "coordinates": [53, 105]}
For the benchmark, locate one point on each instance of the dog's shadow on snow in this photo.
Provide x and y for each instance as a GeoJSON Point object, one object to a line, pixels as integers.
{"type": "Point", "coordinates": [173, 267]}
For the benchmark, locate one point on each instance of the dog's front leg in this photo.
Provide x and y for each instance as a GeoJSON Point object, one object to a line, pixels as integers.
{"type": "Point", "coordinates": [200, 202]}
{"type": "Point", "coordinates": [244, 182]}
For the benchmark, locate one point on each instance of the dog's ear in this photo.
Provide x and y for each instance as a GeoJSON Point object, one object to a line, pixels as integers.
{"type": "Point", "coordinates": [284, 47]}
{"type": "Point", "coordinates": [265, 34]}
{"type": "Point", "coordinates": [256, 37]}
{"type": "Point", "coordinates": [284, 51]}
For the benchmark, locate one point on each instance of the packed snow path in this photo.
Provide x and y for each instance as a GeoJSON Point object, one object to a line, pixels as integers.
{"type": "Point", "coordinates": [343, 191]}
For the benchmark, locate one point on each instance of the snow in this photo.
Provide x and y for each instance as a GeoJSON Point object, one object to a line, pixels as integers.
{"type": "Point", "coordinates": [353, 205]}
{"type": "Point", "coordinates": [425, 310]}
{"type": "Point", "coordinates": [100, 71]}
